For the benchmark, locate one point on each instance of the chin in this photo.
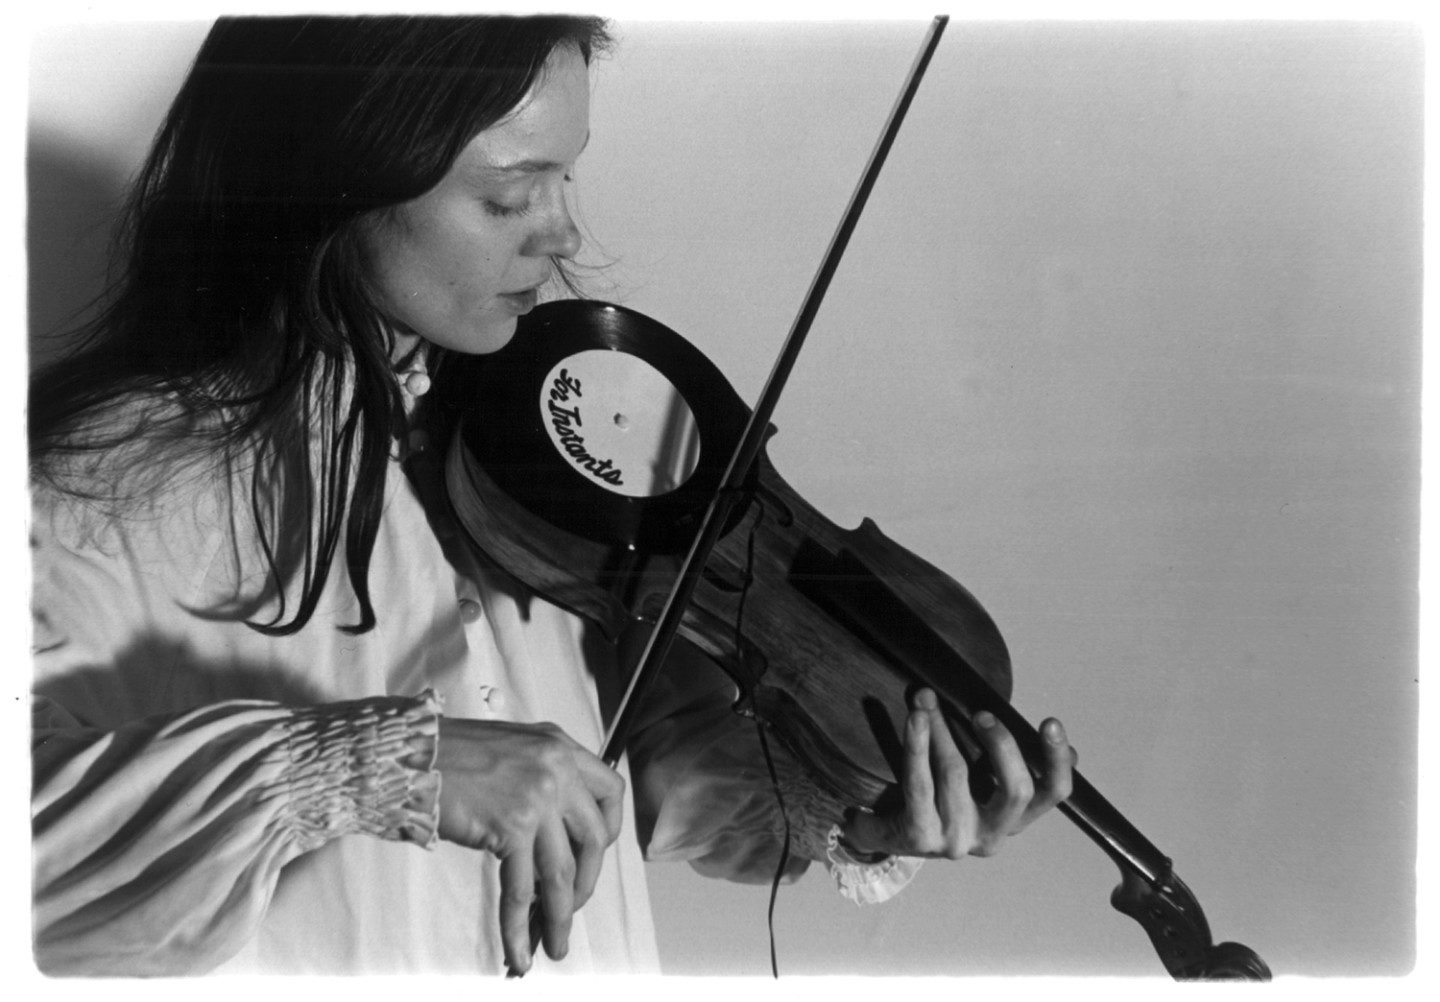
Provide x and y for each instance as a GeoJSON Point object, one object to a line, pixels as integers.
{"type": "Point", "coordinates": [484, 339]}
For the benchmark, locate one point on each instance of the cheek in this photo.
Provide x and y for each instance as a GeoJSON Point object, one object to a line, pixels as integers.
{"type": "Point", "coordinates": [424, 269]}
{"type": "Point", "coordinates": [437, 272]}
{"type": "Point", "coordinates": [448, 308]}
{"type": "Point", "coordinates": [448, 259]}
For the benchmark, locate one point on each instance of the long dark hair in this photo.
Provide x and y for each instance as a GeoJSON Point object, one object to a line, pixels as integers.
{"type": "Point", "coordinates": [242, 304]}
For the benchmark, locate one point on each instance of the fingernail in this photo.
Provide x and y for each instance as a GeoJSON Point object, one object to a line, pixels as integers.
{"type": "Point", "coordinates": [985, 719]}
{"type": "Point", "coordinates": [919, 722]}
{"type": "Point", "coordinates": [1055, 733]}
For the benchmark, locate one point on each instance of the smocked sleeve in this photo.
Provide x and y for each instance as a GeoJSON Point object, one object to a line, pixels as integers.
{"type": "Point", "coordinates": [706, 794]}
{"type": "Point", "coordinates": [165, 798]}
{"type": "Point", "coordinates": [157, 846]}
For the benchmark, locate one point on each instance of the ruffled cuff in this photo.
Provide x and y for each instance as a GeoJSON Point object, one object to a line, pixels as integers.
{"type": "Point", "coordinates": [867, 883]}
{"type": "Point", "coordinates": [365, 766]}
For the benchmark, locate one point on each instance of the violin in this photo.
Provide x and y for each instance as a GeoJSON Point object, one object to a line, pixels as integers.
{"type": "Point", "coordinates": [823, 630]}
{"type": "Point", "coordinates": [605, 462]}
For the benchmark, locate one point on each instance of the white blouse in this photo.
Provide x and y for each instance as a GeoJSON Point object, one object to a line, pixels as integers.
{"type": "Point", "coordinates": [211, 798]}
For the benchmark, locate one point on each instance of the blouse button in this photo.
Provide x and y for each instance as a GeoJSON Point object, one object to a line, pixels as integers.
{"type": "Point", "coordinates": [469, 610]}
{"type": "Point", "coordinates": [493, 697]}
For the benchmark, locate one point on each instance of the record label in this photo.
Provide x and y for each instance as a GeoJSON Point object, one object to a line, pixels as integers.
{"type": "Point", "coordinates": [619, 423]}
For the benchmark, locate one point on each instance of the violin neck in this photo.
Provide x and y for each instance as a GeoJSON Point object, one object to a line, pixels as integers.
{"type": "Point", "coordinates": [1112, 832]}
{"type": "Point", "coordinates": [1149, 891]}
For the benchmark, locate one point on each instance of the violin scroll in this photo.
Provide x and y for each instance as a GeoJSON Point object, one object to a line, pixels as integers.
{"type": "Point", "coordinates": [1177, 928]}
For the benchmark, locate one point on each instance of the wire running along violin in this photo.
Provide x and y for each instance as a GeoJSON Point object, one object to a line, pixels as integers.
{"type": "Point", "coordinates": [568, 466]}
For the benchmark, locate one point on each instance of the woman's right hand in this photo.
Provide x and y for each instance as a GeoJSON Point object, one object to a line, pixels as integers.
{"type": "Point", "coordinates": [541, 803]}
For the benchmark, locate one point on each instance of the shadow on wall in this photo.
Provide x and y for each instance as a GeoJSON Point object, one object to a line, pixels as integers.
{"type": "Point", "coordinates": [73, 197]}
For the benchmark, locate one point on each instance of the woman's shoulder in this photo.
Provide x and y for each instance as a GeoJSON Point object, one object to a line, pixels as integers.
{"type": "Point", "coordinates": [135, 463]}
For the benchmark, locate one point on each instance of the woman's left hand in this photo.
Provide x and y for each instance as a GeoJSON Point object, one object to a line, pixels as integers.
{"type": "Point", "coordinates": [940, 817]}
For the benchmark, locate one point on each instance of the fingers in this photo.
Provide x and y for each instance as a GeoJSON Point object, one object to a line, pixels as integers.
{"type": "Point", "coordinates": [1057, 775]}
{"type": "Point", "coordinates": [589, 835]}
{"type": "Point", "coordinates": [564, 868]}
{"type": "Point", "coordinates": [570, 852]}
{"type": "Point", "coordinates": [608, 790]}
{"type": "Point", "coordinates": [1006, 811]}
{"type": "Point", "coordinates": [930, 759]}
{"type": "Point", "coordinates": [517, 891]}
{"type": "Point", "coordinates": [546, 807]}
{"type": "Point", "coordinates": [558, 873]}
{"type": "Point", "coordinates": [1021, 796]}
{"type": "Point", "coordinates": [952, 803]}
{"type": "Point", "coordinates": [929, 820]}
{"type": "Point", "coordinates": [919, 783]}
{"type": "Point", "coordinates": [595, 823]}
{"type": "Point", "coordinates": [941, 816]}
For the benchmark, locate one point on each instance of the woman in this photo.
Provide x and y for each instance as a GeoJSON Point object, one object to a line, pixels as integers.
{"type": "Point", "coordinates": [331, 207]}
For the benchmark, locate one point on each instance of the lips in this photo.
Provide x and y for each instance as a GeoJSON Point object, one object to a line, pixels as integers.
{"type": "Point", "coordinates": [523, 301]}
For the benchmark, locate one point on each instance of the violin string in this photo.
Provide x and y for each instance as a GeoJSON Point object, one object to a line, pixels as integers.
{"type": "Point", "coordinates": [748, 578]}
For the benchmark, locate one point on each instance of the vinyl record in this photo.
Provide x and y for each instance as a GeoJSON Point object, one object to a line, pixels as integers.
{"type": "Point", "coordinates": [601, 421]}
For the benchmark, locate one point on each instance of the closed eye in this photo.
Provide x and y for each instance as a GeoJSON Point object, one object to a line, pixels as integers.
{"type": "Point", "coordinates": [503, 211]}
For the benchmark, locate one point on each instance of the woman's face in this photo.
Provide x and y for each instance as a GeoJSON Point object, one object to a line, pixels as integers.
{"type": "Point", "coordinates": [460, 263]}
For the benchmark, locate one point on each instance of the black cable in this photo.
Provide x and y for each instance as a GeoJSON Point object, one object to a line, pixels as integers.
{"type": "Point", "coordinates": [784, 849]}
{"type": "Point", "coordinates": [764, 742]}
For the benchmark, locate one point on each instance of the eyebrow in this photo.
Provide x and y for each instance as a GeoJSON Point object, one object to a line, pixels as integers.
{"type": "Point", "coordinates": [532, 166]}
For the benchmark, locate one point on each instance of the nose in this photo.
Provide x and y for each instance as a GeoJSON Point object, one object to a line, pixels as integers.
{"type": "Point", "coordinates": [556, 234]}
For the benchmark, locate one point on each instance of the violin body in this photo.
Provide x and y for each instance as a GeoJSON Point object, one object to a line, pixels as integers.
{"type": "Point", "coordinates": [759, 610]}
{"type": "Point", "coordinates": [824, 631]}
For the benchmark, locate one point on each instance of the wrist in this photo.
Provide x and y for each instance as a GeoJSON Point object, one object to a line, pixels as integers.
{"type": "Point", "coordinates": [365, 766]}
{"type": "Point", "coordinates": [838, 840]}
